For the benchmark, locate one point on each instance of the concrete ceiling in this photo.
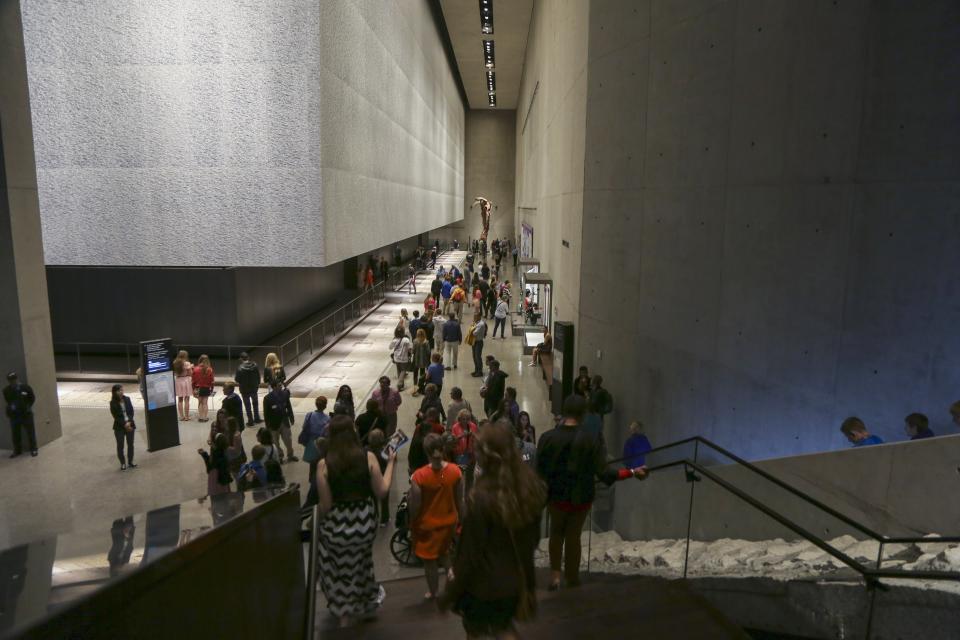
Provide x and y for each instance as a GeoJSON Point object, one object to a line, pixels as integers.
{"type": "Point", "coordinates": [511, 20]}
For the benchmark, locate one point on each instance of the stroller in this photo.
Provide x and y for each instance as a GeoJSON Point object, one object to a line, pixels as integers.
{"type": "Point", "coordinates": [401, 546]}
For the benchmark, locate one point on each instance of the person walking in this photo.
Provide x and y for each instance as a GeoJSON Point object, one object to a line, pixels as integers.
{"type": "Point", "coordinates": [452, 337]}
{"type": "Point", "coordinates": [601, 402]}
{"type": "Point", "coordinates": [494, 390]}
{"type": "Point", "coordinates": [232, 403]}
{"type": "Point", "coordinates": [369, 420]}
{"type": "Point", "coordinates": [636, 447]}
{"type": "Point", "coordinates": [218, 470]}
{"type": "Point", "coordinates": [436, 503]}
{"type": "Point", "coordinates": [500, 317]}
{"type": "Point", "coordinates": [278, 414]}
{"type": "Point", "coordinates": [446, 290]}
{"type": "Point", "coordinates": [343, 405]}
{"type": "Point", "coordinates": [401, 352]}
{"type": "Point", "coordinates": [493, 573]}
{"type": "Point", "coordinates": [477, 333]}
{"type": "Point", "coordinates": [121, 408]}
{"type": "Point", "coordinates": [570, 461]}
{"type": "Point", "coordinates": [457, 404]}
{"type": "Point", "coordinates": [183, 383]}
{"type": "Point", "coordinates": [315, 425]}
{"type": "Point", "coordinates": [248, 379]}
{"type": "Point", "coordinates": [203, 387]}
{"type": "Point", "coordinates": [19, 399]}
{"type": "Point", "coordinates": [389, 400]}
{"type": "Point", "coordinates": [421, 360]}
{"type": "Point", "coordinates": [348, 481]}
{"type": "Point", "coordinates": [411, 279]}
{"type": "Point", "coordinates": [438, 321]}
{"type": "Point", "coordinates": [273, 371]}
{"type": "Point", "coordinates": [458, 296]}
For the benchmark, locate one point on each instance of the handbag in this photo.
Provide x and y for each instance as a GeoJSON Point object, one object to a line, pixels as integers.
{"type": "Point", "coordinates": [527, 603]}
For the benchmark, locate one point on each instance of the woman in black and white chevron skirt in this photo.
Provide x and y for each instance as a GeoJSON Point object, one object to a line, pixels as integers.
{"type": "Point", "coordinates": [348, 480]}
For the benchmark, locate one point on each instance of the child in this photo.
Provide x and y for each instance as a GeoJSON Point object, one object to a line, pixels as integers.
{"type": "Point", "coordinates": [253, 474]}
{"type": "Point", "coordinates": [435, 372]}
{"type": "Point", "coordinates": [376, 441]}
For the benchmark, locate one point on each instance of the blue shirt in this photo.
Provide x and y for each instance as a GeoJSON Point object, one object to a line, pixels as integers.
{"type": "Point", "coordinates": [635, 450]}
{"type": "Point", "coordinates": [923, 434]}
{"type": "Point", "coordinates": [866, 442]}
{"type": "Point", "coordinates": [257, 467]}
{"type": "Point", "coordinates": [435, 373]}
{"type": "Point", "coordinates": [446, 288]}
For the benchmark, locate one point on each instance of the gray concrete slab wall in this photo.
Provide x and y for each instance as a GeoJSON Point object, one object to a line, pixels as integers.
{"type": "Point", "coordinates": [24, 313]}
{"type": "Point", "coordinates": [770, 212]}
{"type": "Point", "coordinates": [490, 171]}
{"type": "Point", "coordinates": [893, 489]}
{"type": "Point", "coordinates": [551, 113]}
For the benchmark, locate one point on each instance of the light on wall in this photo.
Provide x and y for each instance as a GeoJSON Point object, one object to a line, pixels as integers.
{"type": "Point", "coordinates": [486, 16]}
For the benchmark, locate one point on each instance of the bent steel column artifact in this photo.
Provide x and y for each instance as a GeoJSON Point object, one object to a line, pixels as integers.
{"type": "Point", "coordinates": [485, 207]}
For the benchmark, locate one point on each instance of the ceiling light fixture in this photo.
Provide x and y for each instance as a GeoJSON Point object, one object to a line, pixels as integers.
{"type": "Point", "coordinates": [486, 16]}
{"type": "Point", "coordinates": [488, 54]}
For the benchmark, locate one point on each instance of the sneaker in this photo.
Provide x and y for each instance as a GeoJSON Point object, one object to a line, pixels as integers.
{"type": "Point", "coordinates": [131, 466]}
{"type": "Point", "coordinates": [446, 368]}
{"type": "Point", "coordinates": [123, 467]}
{"type": "Point", "coordinates": [293, 459]}
{"type": "Point", "coordinates": [34, 453]}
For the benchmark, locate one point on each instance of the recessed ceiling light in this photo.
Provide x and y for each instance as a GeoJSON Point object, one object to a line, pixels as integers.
{"type": "Point", "coordinates": [486, 16]}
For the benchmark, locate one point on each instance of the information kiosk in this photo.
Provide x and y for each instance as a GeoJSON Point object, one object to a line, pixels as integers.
{"type": "Point", "coordinates": [159, 395]}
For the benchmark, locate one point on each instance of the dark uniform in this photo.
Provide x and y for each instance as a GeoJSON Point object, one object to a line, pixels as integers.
{"type": "Point", "coordinates": [19, 399]}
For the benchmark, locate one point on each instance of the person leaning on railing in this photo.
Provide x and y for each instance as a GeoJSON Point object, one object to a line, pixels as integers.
{"type": "Point", "coordinates": [569, 460]}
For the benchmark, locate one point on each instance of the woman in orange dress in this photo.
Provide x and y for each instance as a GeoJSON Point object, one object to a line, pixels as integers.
{"type": "Point", "coordinates": [435, 503]}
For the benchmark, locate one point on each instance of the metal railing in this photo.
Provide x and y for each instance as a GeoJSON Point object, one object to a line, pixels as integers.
{"type": "Point", "coordinates": [694, 472]}
{"type": "Point", "coordinates": [124, 357]}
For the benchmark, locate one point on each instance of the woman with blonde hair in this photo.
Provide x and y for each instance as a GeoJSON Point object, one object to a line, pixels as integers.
{"type": "Point", "coordinates": [273, 370]}
{"type": "Point", "coordinates": [183, 374]}
{"type": "Point", "coordinates": [203, 386]}
{"type": "Point", "coordinates": [493, 577]}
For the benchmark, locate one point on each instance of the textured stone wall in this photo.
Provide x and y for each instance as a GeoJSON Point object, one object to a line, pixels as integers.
{"type": "Point", "coordinates": [191, 133]}
{"type": "Point", "coordinates": [177, 133]}
{"type": "Point", "coordinates": [392, 125]}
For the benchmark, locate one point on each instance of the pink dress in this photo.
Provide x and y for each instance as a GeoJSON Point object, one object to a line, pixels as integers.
{"type": "Point", "coordinates": [184, 383]}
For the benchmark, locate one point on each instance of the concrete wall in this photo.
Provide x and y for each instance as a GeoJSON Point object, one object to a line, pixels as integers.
{"type": "Point", "coordinates": [231, 133]}
{"type": "Point", "coordinates": [392, 124]}
{"type": "Point", "coordinates": [770, 212]}
{"type": "Point", "coordinates": [551, 113]}
{"type": "Point", "coordinates": [25, 346]}
{"type": "Point", "coordinates": [892, 489]}
{"type": "Point", "coordinates": [490, 170]}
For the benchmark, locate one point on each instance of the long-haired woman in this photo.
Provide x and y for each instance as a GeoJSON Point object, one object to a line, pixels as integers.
{"type": "Point", "coordinates": [183, 375]}
{"type": "Point", "coordinates": [273, 370]}
{"type": "Point", "coordinates": [203, 386]}
{"type": "Point", "coordinates": [493, 577]}
{"type": "Point", "coordinates": [348, 481]}
{"type": "Point", "coordinates": [343, 405]}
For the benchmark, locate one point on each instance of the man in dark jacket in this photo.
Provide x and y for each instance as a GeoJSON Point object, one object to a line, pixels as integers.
{"type": "Point", "coordinates": [232, 403]}
{"type": "Point", "coordinates": [436, 286]}
{"type": "Point", "coordinates": [495, 388]}
{"type": "Point", "coordinates": [19, 399]}
{"type": "Point", "coordinates": [570, 461]}
{"type": "Point", "coordinates": [452, 337]}
{"type": "Point", "coordinates": [248, 379]}
{"type": "Point", "coordinates": [278, 414]}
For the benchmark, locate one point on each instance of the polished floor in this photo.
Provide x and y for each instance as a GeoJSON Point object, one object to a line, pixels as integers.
{"type": "Point", "coordinates": [78, 475]}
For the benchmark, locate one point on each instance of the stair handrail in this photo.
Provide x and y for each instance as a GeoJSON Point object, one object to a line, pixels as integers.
{"type": "Point", "coordinates": [879, 537]}
{"type": "Point", "coordinates": [867, 572]}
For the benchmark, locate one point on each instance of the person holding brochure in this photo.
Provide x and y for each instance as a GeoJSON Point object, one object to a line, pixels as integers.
{"type": "Point", "coordinates": [348, 481]}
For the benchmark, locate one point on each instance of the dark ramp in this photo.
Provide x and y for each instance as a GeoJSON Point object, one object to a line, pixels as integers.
{"type": "Point", "coordinates": [605, 605]}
